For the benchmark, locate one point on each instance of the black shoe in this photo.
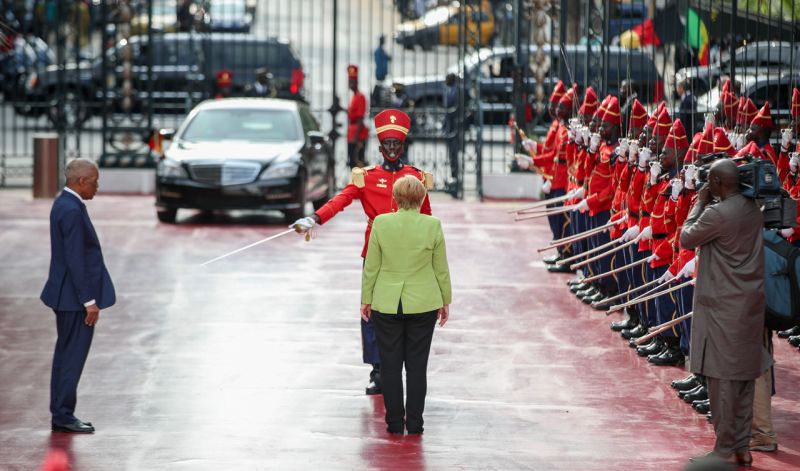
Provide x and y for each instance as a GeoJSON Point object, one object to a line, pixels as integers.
{"type": "Point", "coordinates": [686, 384]}
{"type": "Point", "coordinates": [795, 340]}
{"type": "Point", "coordinates": [589, 291]}
{"type": "Point", "coordinates": [700, 395]}
{"type": "Point", "coordinates": [601, 306]}
{"type": "Point", "coordinates": [655, 347]}
{"type": "Point", "coordinates": [394, 430]}
{"type": "Point", "coordinates": [785, 334]}
{"type": "Point", "coordinates": [637, 331]}
{"type": "Point", "coordinates": [593, 299]}
{"type": "Point", "coordinates": [671, 356]}
{"type": "Point", "coordinates": [374, 386]}
{"type": "Point", "coordinates": [702, 407]}
{"type": "Point", "coordinates": [75, 427]}
{"type": "Point", "coordinates": [578, 280]}
{"type": "Point", "coordinates": [558, 268]}
{"type": "Point", "coordinates": [574, 289]}
{"type": "Point", "coordinates": [682, 394]}
{"type": "Point", "coordinates": [619, 326]}
{"type": "Point", "coordinates": [552, 259]}
{"type": "Point", "coordinates": [415, 430]}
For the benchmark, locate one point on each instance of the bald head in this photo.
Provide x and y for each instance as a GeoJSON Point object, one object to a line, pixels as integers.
{"type": "Point", "coordinates": [82, 177]}
{"type": "Point", "coordinates": [724, 178]}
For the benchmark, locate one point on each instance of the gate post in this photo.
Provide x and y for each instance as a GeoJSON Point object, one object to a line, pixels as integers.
{"type": "Point", "coordinates": [45, 165]}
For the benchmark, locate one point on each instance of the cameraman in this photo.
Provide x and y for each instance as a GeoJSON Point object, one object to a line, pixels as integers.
{"type": "Point", "coordinates": [728, 321]}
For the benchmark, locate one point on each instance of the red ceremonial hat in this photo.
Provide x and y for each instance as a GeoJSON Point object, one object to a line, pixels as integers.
{"type": "Point", "coordinates": [676, 139]}
{"type": "Point", "coordinates": [763, 118]}
{"type": "Point", "coordinates": [558, 91]}
{"type": "Point", "coordinates": [691, 156]}
{"type": "Point", "coordinates": [602, 108]}
{"type": "Point", "coordinates": [589, 106]}
{"type": "Point", "coordinates": [706, 144]}
{"type": "Point", "coordinates": [748, 111]}
{"type": "Point", "coordinates": [392, 123]}
{"type": "Point", "coordinates": [638, 117]}
{"type": "Point", "coordinates": [730, 106]}
{"type": "Point", "coordinates": [752, 149]}
{"type": "Point", "coordinates": [663, 124]}
{"type": "Point", "coordinates": [611, 113]}
{"type": "Point", "coordinates": [568, 99]}
{"type": "Point", "coordinates": [796, 103]}
{"type": "Point", "coordinates": [352, 72]}
{"type": "Point", "coordinates": [726, 87]}
{"type": "Point", "coordinates": [224, 78]}
{"type": "Point", "coordinates": [722, 143]}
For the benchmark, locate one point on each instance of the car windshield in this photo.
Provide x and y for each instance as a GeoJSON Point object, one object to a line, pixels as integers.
{"type": "Point", "coordinates": [470, 61]}
{"type": "Point", "coordinates": [228, 10]}
{"type": "Point", "coordinates": [242, 125]}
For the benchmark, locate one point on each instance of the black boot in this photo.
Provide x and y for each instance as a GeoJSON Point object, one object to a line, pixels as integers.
{"type": "Point", "coordinates": [578, 287]}
{"type": "Point", "coordinates": [636, 332]}
{"type": "Point", "coordinates": [552, 259]}
{"type": "Point", "coordinates": [655, 347]}
{"type": "Point", "coordinates": [700, 395]}
{"type": "Point", "coordinates": [671, 356]}
{"type": "Point", "coordinates": [629, 323]}
{"type": "Point", "coordinates": [785, 334]}
{"type": "Point", "coordinates": [578, 280]}
{"type": "Point", "coordinates": [702, 407]}
{"type": "Point", "coordinates": [374, 386]}
{"type": "Point", "coordinates": [795, 340]}
{"type": "Point", "coordinates": [686, 384]}
{"type": "Point", "coordinates": [682, 394]}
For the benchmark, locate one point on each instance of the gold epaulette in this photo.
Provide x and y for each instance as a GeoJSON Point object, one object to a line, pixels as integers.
{"type": "Point", "coordinates": [357, 176]}
{"type": "Point", "coordinates": [426, 177]}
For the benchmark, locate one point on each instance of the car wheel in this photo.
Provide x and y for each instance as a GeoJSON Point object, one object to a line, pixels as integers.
{"type": "Point", "coordinates": [167, 215]}
{"type": "Point", "coordinates": [329, 193]}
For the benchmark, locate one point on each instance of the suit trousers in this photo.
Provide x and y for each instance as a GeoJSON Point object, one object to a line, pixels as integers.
{"type": "Point", "coordinates": [404, 339]}
{"type": "Point", "coordinates": [763, 431]}
{"type": "Point", "coordinates": [731, 413]}
{"type": "Point", "coordinates": [72, 348]}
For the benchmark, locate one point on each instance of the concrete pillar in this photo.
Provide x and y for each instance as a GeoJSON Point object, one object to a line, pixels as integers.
{"type": "Point", "coordinates": [45, 165]}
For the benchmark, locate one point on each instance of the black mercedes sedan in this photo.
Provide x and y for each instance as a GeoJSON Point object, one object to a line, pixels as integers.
{"type": "Point", "coordinates": [245, 153]}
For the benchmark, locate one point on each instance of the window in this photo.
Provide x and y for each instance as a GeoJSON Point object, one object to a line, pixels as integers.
{"type": "Point", "coordinates": [251, 125]}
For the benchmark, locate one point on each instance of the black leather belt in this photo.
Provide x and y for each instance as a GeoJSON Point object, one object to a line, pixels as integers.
{"type": "Point", "coordinates": [660, 236]}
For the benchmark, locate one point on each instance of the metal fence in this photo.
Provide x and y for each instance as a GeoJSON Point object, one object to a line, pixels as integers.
{"type": "Point", "coordinates": [104, 74]}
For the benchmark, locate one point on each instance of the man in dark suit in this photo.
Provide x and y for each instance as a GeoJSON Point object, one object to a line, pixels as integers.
{"type": "Point", "coordinates": [688, 107]}
{"type": "Point", "coordinates": [77, 288]}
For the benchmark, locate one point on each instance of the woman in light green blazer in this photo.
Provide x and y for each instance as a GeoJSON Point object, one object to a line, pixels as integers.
{"type": "Point", "coordinates": [405, 288]}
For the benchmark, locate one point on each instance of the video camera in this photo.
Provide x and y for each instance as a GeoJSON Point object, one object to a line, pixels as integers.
{"type": "Point", "coordinates": [758, 180]}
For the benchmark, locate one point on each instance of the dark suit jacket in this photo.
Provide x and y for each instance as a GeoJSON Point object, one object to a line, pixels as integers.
{"type": "Point", "coordinates": [77, 272]}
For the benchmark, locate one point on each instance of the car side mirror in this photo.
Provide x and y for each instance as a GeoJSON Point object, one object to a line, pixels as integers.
{"type": "Point", "coordinates": [315, 138]}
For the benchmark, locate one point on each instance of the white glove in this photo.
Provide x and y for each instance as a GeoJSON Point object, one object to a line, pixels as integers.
{"type": "Point", "coordinates": [786, 139]}
{"type": "Point", "coordinates": [677, 187]}
{"type": "Point", "coordinates": [666, 277]}
{"type": "Point", "coordinates": [786, 233]}
{"type": "Point", "coordinates": [688, 176]}
{"type": "Point", "coordinates": [528, 145]}
{"type": "Point", "coordinates": [633, 150]}
{"type": "Point", "coordinates": [594, 142]}
{"type": "Point", "coordinates": [622, 149]}
{"type": "Point", "coordinates": [303, 225]}
{"type": "Point", "coordinates": [583, 206]}
{"type": "Point", "coordinates": [523, 161]}
{"type": "Point", "coordinates": [687, 270]}
{"type": "Point", "coordinates": [548, 184]}
{"type": "Point", "coordinates": [644, 157]}
{"type": "Point", "coordinates": [653, 257]}
{"type": "Point", "coordinates": [630, 234]}
{"type": "Point", "coordinates": [655, 171]}
{"type": "Point", "coordinates": [586, 135]}
{"type": "Point", "coordinates": [794, 161]}
{"type": "Point", "coordinates": [646, 234]}
{"type": "Point", "coordinates": [740, 141]}
{"type": "Point", "coordinates": [579, 192]}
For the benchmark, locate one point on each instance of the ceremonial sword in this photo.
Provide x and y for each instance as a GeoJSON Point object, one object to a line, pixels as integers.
{"type": "Point", "coordinates": [242, 249]}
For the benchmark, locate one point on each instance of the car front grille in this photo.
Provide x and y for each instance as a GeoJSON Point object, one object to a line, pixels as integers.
{"type": "Point", "coordinates": [224, 174]}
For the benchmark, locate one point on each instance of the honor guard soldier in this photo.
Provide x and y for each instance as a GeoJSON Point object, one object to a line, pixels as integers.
{"type": "Point", "coordinates": [373, 187]}
{"type": "Point", "coordinates": [356, 129]}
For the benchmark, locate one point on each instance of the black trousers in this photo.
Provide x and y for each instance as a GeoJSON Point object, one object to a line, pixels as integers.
{"type": "Point", "coordinates": [72, 348]}
{"type": "Point", "coordinates": [404, 339]}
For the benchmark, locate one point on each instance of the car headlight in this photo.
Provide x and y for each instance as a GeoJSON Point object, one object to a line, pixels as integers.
{"type": "Point", "coordinates": [281, 170]}
{"type": "Point", "coordinates": [171, 169]}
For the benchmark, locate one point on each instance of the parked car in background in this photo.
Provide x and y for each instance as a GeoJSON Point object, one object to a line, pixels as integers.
{"type": "Point", "coordinates": [758, 58]}
{"type": "Point", "coordinates": [441, 26]}
{"type": "Point", "coordinates": [26, 56]}
{"type": "Point", "coordinates": [179, 70]}
{"type": "Point", "coordinates": [245, 153]}
{"type": "Point", "coordinates": [164, 18]}
{"type": "Point", "coordinates": [229, 16]}
{"type": "Point", "coordinates": [488, 71]}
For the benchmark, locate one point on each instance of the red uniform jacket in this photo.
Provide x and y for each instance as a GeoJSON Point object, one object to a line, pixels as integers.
{"type": "Point", "coordinates": [554, 162]}
{"type": "Point", "coordinates": [634, 196]}
{"type": "Point", "coordinates": [622, 177]}
{"type": "Point", "coordinates": [681, 210]}
{"type": "Point", "coordinates": [375, 193]}
{"type": "Point", "coordinates": [600, 190]}
{"type": "Point", "coordinates": [355, 118]}
{"type": "Point", "coordinates": [662, 223]}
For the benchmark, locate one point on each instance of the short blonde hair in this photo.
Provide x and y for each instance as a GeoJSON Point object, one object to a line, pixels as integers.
{"type": "Point", "coordinates": [409, 192]}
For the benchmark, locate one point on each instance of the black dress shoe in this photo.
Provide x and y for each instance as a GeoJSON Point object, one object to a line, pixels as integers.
{"type": "Point", "coordinates": [655, 347]}
{"type": "Point", "coordinates": [394, 430]}
{"type": "Point", "coordinates": [785, 334]}
{"type": "Point", "coordinates": [558, 268]}
{"type": "Point", "coordinates": [589, 291]}
{"type": "Point", "coordinates": [374, 386]}
{"type": "Point", "coordinates": [75, 427]}
{"type": "Point", "coordinates": [700, 395]}
{"type": "Point", "coordinates": [619, 326]}
{"type": "Point", "coordinates": [637, 331]}
{"type": "Point", "coordinates": [600, 306]}
{"type": "Point", "coordinates": [415, 431]}
{"type": "Point", "coordinates": [552, 259]}
{"type": "Point", "coordinates": [702, 407]}
{"type": "Point", "coordinates": [795, 340]}
{"type": "Point", "coordinates": [578, 287]}
{"type": "Point", "coordinates": [671, 356]}
{"type": "Point", "coordinates": [593, 299]}
{"type": "Point", "coordinates": [685, 384]}
{"type": "Point", "coordinates": [682, 394]}
{"type": "Point", "coordinates": [578, 280]}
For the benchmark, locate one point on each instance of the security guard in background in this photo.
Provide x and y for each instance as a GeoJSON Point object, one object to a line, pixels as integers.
{"type": "Point", "coordinates": [373, 187]}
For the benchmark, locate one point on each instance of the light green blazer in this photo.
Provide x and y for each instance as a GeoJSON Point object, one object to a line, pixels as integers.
{"type": "Point", "coordinates": [406, 261]}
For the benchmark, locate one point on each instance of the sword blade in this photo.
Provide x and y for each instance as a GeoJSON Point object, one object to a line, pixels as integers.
{"type": "Point", "coordinates": [242, 249]}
